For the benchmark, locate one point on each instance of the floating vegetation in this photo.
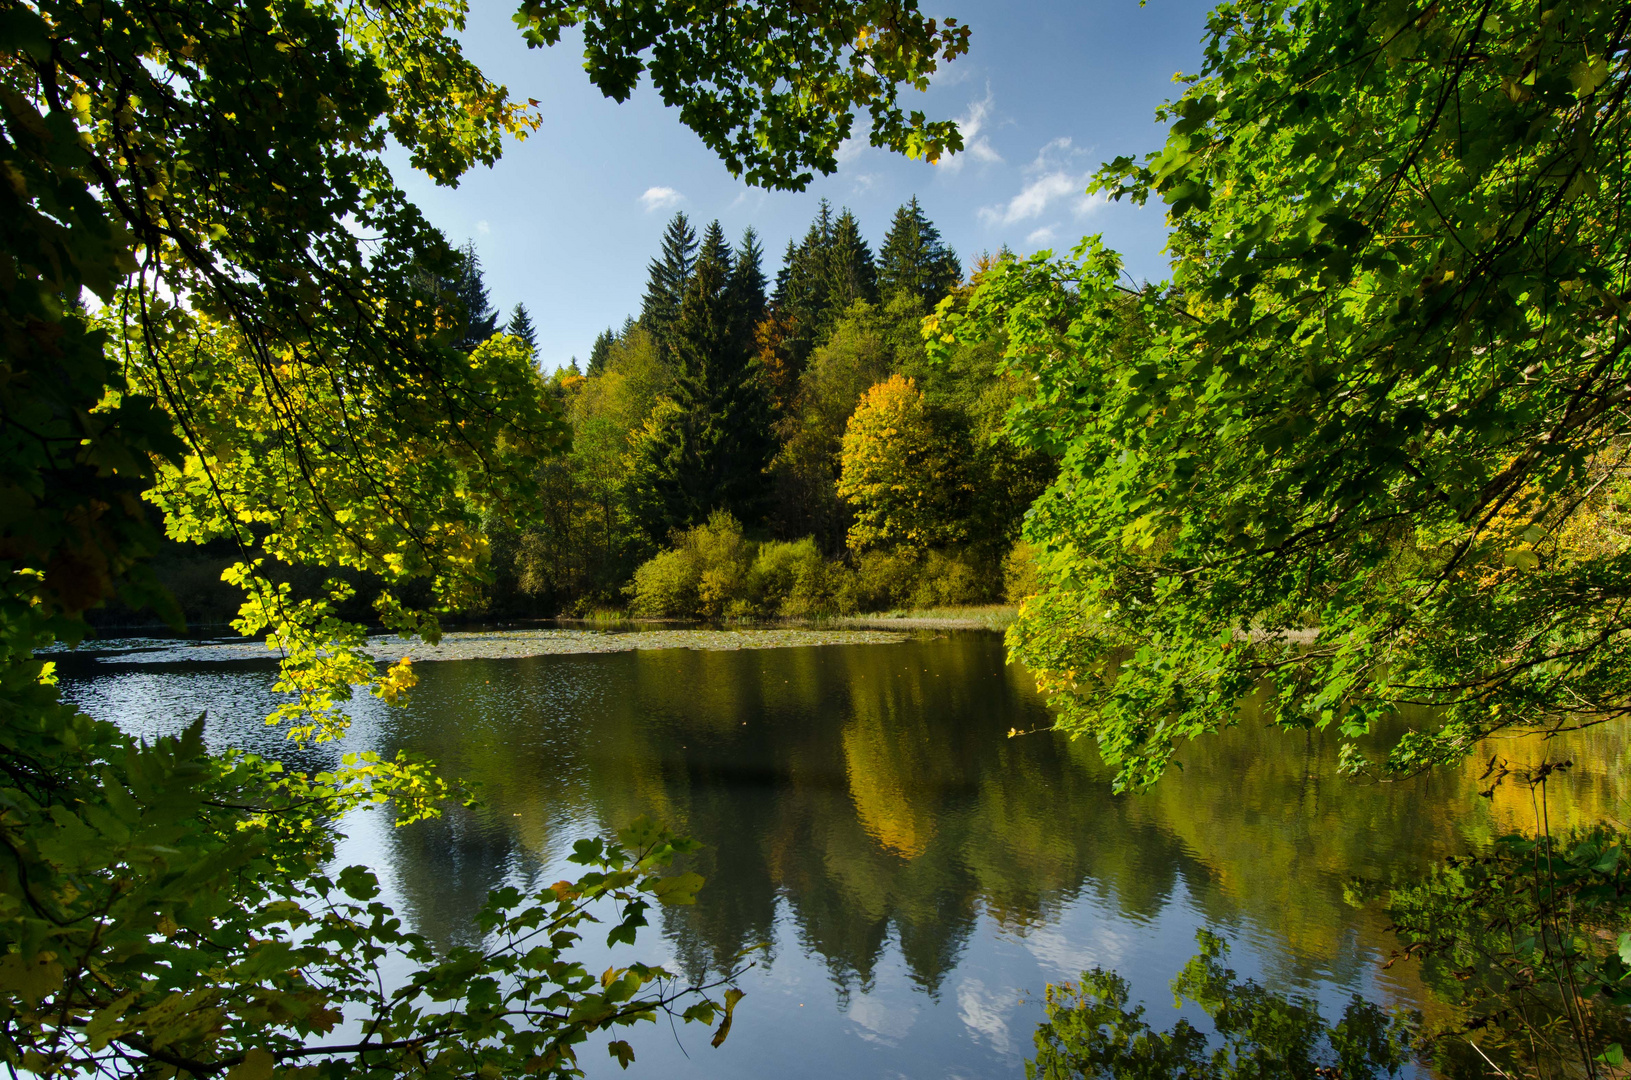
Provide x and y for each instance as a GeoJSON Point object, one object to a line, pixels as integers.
{"type": "Point", "coordinates": [505, 644]}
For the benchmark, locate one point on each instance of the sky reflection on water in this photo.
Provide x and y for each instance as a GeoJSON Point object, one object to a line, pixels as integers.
{"type": "Point", "coordinates": [911, 877]}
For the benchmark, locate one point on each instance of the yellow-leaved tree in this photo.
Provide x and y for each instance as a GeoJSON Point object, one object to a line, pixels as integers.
{"type": "Point", "coordinates": [901, 471]}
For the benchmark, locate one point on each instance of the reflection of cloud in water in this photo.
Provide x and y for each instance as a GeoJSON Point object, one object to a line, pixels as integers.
{"type": "Point", "coordinates": [985, 1012]}
{"type": "Point", "coordinates": [1068, 953]}
{"type": "Point", "coordinates": [882, 1021]}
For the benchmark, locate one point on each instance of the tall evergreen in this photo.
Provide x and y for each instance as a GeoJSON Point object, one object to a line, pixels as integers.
{"type": "Point", "coordinates": [747, 280]}
{"type": "Point", "coordinates": [669, 274]}
{"type": "Point", "coordinates": [715, 248]}
{"type": "Point", "coordinates": [473, 311]}
{"type": "Point", "coordinates": [851, 274]}
{"type": "Point", "coordinates": [712, 452]}
{"type": "Point", "coordinates": [913, 261]}
{"type": "Point", "coordinates": [600, 351]}
{"type": "Point", "coordinates": [520, 326]}
{"type": "Point", "coordinates": [803, 287]}
{"type": "Point", "coordinates": [779, 297]}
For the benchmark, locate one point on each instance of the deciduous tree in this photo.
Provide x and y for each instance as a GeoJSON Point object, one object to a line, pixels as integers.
{"type": "Point", "coordinates": [902, 471]}
{"type": "Point", "coordinates": [1383, 394]}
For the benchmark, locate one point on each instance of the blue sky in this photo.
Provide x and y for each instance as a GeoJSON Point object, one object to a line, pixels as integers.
{"type": "Point", "coordinates": [567, 221]}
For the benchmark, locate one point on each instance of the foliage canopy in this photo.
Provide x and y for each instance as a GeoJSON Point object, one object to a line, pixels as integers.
{"type": "Point", "coordinates": [1383, 394]}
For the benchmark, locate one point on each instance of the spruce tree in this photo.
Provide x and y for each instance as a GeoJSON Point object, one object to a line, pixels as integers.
{"type": "Point", "coordinates": [784, 276]}
{"type": "Point", "coordinates": [913, 261]}
{"type": "Point", "coordinates": [600, 351]}
{"type": "Point", "coordinates": [803, 287]}
{"type": "Point", "coordinates": [712, 452]}
{"type": "Point", "coordinates": [850, 273]}
{"type": "Point", "coordinates": [520, 326]}
{"type": "Point", "coordinates": [669, 274]}
{"type": "Point", "coordinates": [747, 283]}
{"type": "Point", "coordinates": [474, 315]}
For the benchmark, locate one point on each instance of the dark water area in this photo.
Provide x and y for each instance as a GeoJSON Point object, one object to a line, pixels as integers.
{"type": "Point", "coordinates": [911, 875]}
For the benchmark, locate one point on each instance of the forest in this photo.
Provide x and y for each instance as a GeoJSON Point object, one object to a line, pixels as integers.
{"type": "Point", "coordinates": [743, 447]}
{"type": "Point", "coordinates": [1345, 494]}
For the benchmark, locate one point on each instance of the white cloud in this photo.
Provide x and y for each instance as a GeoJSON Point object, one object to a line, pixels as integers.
{"type": "Point", "coordinates": [1088, 204]}
{"type": "Point", "coordinates": [483, 228]}
{"type": "Point", "coordinates": [864, 182]}
{"type": "Point", "coordinates": [883, 1022]}
{"type": "Point", "coordinates": [660, 198]}
{"type": "Point", "coordinates": [1054, 177]}
{"type": "Point", "coordinates": [975, 144]}
{"type": "Point", "coordinates": [854, 146]}
{"type": "Point", "coordinates": [1042, 236]}
{"type": "Point", "coordinates": [1034, 198]}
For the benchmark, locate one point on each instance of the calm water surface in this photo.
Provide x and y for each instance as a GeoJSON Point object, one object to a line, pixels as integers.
{"type": "Point", "coordinates": [913, 876]}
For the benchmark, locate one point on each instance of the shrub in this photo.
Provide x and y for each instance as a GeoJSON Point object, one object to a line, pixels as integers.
{"type": "Point", "coordinates": [723, 559]}
{"type": "Point", "coordinates": [666, 584]}
{"type": "Point", "coordinates": [1021, 577]}
{"type": "Point", "coordinates": [951, 579]}
{"type": "Point", "coordinates": [705, 573]}
{"type": "Point", "coordinates": [881, 580]}
{"type": "Point", "coordinates": [788, 578]}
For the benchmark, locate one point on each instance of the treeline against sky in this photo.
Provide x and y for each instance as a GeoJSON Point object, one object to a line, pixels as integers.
{"type": "Point", "coordinates": [750, 445]}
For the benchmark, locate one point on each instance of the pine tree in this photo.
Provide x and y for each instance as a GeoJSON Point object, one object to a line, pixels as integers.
{"type": "Point", "coordinates": [473, 313]}
{"type": "Point", "coordinates": [599, 352]}
{"type": "Point", "coordinates": [670, 272]}
{"type": "Point", "coordinates": [520, 326]}
{"type": "Point", "coordinates": [713, 448]}
{"type": "Point", "coordinates": [913, 261]}
{"type": "Point", "coordinates": [850, 272]}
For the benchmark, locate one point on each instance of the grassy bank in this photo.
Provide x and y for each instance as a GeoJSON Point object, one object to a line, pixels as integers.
{"type": "Point", "coordinates": [975, 617]}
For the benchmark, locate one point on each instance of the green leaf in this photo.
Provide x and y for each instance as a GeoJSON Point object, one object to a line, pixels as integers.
{"type": "Point", "coordinates": [257, 1064]}
{"type": "Point", "coordinates": [732, 996]}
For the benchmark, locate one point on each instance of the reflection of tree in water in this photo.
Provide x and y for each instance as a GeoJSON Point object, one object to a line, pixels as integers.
{"type": "Point", "coordinates": [445, 868]}
{"type": "Point", "coordinates": [872, 794]}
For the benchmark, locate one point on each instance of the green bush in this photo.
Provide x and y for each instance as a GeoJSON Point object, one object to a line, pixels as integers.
{"type": "Point", "coordinates": [724, 560]}
{"type": "Point", "coordinates": [951, 579]}
{"type": "Point", "coordinates": [665, 585]}
{"type": "Point", "coordinates": [789, 578]}
{"type": "Point", "coordinates": [713, 571]}
{"type": "Point", "coordinates": [1021, 577]}
{"type": "Point", "coordinates": [705, 573]}
{"type": "Point", "coordinates": [880, 580]}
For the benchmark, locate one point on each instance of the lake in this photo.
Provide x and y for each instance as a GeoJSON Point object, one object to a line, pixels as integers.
{"type": "Point", "coordinates": [912, 876]}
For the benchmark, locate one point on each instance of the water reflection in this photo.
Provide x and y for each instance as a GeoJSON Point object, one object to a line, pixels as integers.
{"type": "Point", "coordinates": [871, 826]}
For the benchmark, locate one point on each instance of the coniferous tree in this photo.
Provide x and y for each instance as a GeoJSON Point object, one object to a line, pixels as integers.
{"type": "Point", "coordinates": [520, 326]}
{"type": "Point", "coordinates": [850, 272]}
{"type": "Point", "coordinates": [913, 261]}
{"type": "Point", "coordinates": [599, 352]}
{"type": "Point", "coordinates": [708, 449]}
{"type": "Point", "coordinates": [670, 272]}
{"type": "Point", "coordinates": [464, 300]}
{"type": "Point", "coordinates": [474, 314]}
{"type": "Point", "coordinates": [747, 281]}
{"type": "Point", "coordinates": [715, 248]}
{"type": "Point", "coordinates": [784, 276]}
{"type": "Point", "coordinates": [802, 290]}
